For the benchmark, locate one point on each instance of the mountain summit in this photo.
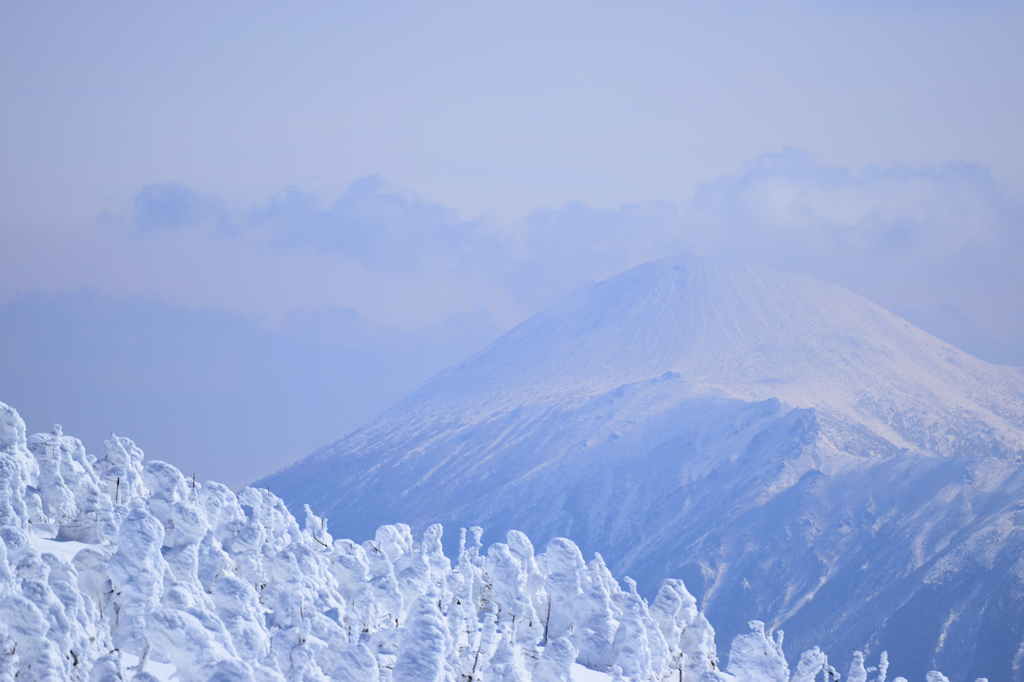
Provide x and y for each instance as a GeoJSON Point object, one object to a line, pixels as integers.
{"type": "Point", "coordinates": [793, 452]}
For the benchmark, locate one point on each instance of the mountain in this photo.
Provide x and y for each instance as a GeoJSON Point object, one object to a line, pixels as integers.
{"type": "Point", "coordinates": [793, 452]}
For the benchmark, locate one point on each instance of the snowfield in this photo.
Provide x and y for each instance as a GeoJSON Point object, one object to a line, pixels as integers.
{"type": "Point", "coordinates": [121, 569]}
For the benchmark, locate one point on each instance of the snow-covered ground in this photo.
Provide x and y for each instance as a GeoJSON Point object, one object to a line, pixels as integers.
{"type": "Point", "coordinates": [581, 674]}
{"type": "Point", "coordinates": [121, 569]}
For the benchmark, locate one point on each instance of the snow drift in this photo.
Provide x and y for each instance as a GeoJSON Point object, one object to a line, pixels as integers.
{"type": "Point", "coordinates": [798, 455]}
{"type": "Point", "coordinates": [121, 569]}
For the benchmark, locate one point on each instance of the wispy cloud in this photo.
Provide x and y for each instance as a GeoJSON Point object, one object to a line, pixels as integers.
{"type": "Point", "coordinates": [789, 203]}
{"type": "Point", "coordinates": [172, 206]}
{"type": "Point", "coordinates": [371, 222]}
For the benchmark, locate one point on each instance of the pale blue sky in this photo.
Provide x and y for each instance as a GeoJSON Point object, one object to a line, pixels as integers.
{"type": "Point", "coordinates": [432, 173]}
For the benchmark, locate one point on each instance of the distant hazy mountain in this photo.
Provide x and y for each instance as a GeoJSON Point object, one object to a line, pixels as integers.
{"type": "Point", "coordinates": [792, 451]}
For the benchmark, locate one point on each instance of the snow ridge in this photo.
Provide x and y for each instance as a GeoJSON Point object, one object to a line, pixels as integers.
{"type": "Point", "coordinates": [121, 569]}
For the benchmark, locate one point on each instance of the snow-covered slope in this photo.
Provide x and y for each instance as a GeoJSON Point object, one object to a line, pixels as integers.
{"type": "Point", "coordinates": [794, 452]}
{"type": "Point", "coordinates": [118, 569]}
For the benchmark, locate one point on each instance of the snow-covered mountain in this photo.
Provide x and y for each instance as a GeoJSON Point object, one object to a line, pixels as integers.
{"type": "Point", "coordinates": [115, 569]}
{"type": "Point", "coordinates": [795, 453]}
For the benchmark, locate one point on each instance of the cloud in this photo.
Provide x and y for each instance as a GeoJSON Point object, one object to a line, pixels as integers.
{"type": "Point", "coordinates": [789, 201]}
{"type": "Point", "coordinates": [371, 222]}
{"type": "Point", "coordinates": [171, 206]}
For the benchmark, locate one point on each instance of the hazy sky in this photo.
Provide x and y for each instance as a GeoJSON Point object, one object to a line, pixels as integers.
{"type": "Point", "coordinates": [234, 231]}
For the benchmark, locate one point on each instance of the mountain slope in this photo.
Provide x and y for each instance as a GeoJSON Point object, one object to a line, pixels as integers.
{"type": "Point", "coordinates": [792, 451]}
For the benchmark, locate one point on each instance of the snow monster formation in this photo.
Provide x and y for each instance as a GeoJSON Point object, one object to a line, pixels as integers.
{"type": "Point", "coordinates": [120, 569]}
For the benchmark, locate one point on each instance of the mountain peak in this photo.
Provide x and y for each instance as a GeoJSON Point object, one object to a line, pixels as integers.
{"type": "Point", "coordinates": [733, 330]}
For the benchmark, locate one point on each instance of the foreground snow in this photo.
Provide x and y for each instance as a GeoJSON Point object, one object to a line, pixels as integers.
{"type": "Point", "coordinates": [116, 569]}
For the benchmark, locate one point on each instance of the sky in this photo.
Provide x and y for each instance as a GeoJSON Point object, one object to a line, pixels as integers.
{"type": "Point", "coordinates": [234, 232]}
